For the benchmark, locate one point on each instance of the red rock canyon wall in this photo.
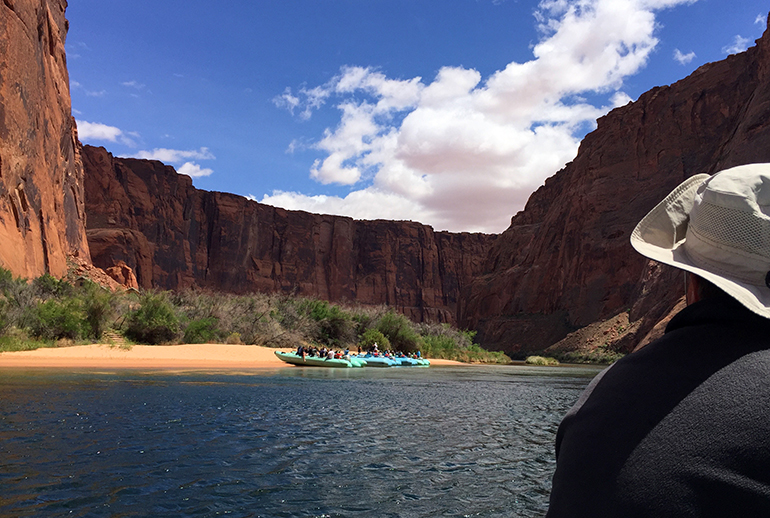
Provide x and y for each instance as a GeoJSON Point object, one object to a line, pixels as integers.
{"type": "Point", "coordinates": [174, 236]}
{"type": "Point", "coordinates": [42, 218]}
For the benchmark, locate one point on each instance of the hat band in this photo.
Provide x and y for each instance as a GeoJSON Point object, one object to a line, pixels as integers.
{"type": "Point", "coordinates": [727, 262]}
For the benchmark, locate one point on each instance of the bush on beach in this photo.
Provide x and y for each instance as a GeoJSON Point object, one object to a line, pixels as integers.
{"type": "Point", "coordinates": [371, 337]}
{"type": "Point", "coordinates": [400, 331]}
{"type": "Point", "coordinates": [55, 319]}
{"type": "Point", "coordinates": [541, 360]}
{"type": "Point", "coordinates": [154, 321]}
{"type": "Point", "coordinates": [201, 331]}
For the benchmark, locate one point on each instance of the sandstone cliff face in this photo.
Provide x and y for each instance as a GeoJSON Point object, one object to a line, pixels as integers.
{"type": "Point", "coordinates": [42, 218]}
{"type": "Point", "coordinates": [173, 236]}
{"type": "Point", "coordinates": [566, 261]}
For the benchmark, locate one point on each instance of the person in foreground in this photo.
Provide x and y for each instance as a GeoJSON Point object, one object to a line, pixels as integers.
{"type": "Point", "coordinates": [682, 426]}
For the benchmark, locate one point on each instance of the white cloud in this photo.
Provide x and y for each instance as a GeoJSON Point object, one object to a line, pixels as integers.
{"type": "Point", "coordinates": [287, 100]}
{"type": "Point", "coordinates": [761, 19]}
{"type": "Point", "coordinates": [620, 99]}
{"type": "Point", "coordinates": [133, 84]}
{"type": "Point", "coordinates": [739, 45]}
{"type": "Point", "coordinates": [309, 99]}
{"type": "Point", "coordinates": [75, 85]}
{"type": "Point", "coordinates": [181, 156]}
{"type": "Point", "coordinates": [683, 59]}
{"type": "Point", "coordinates": [365, 204]}
{"type": "Point", "coordinates": [175, 156]}
{"type": "Point", "coordinates": [194, 170]}
{"type": "Point", "coordinates": [96, 131]}
{"type": "Point", "coordinates": [464, 152]}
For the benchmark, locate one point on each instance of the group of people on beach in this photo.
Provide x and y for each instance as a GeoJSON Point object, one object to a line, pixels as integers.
{"type": "Point", "coordinates": [374, 350]}
{"type": "Point", "coordinates": [332, 354]}
{"type": "Point", "coordinates": [323, 352]}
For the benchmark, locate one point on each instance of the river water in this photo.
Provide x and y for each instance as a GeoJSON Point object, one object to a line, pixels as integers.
{"type": "Point", "coordinates": [398, 442]}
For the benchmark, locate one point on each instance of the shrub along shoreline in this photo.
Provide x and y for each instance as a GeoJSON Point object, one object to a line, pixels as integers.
{"type": "Point", "coordinates": [49, 312]}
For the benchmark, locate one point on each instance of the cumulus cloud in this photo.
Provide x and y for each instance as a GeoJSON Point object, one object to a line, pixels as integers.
{"type": "Point", "coordinates": [194, 170]}
{"type": "Point", "coordinates": [96, 131]}
{"type": "Point", "coordinates": [682, 58]}
{"type": "Point", "coordinates": [183, 157]}
{"type": "Point", "coordinates": [738, 45]}
{"type": "Point", "coordinates": [463, 152]}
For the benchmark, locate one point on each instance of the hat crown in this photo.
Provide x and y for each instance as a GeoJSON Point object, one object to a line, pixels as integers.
{"type": "Point", "coordinates": [729, 227]}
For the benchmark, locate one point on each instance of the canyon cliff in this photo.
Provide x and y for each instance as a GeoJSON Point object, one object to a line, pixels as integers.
{"type": "Point", "coordinates": [42, 217]}
{"type": "Point", "coordinates": [174, 236]}
{"type": "Point", "coordinates": [565, 261]}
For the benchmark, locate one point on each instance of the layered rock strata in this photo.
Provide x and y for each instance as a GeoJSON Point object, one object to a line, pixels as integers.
{"type": "Point", "coordinates": [173, 235]}
{"type": "Point", "coordinates": [42, 218]}
{"type": "Point", "coordinates": [565, 261]}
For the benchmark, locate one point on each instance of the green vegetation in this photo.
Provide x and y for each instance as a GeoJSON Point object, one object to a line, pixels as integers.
{"type": "Point", "coordinates": [48, 312]}
{"type": "Point", "coordinates": [599, 356]}
{"type": "Point", "coordinates": [541, 360]}
{"type": "Point", "coordinates": [400, 332]}
{"type": "Point", "coordinates": [154, 321]}
{"type": "Point", "coordinates": [371, 337]}
{"type": "Point", "coordinates": [449, 343]}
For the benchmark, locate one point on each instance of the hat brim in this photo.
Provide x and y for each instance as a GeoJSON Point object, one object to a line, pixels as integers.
{"type": "Point", "coordinates": [660, 236]}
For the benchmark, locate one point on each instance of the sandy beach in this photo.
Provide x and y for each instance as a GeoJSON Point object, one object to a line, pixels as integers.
{"type": "Point", "coordinates": [188, 356]}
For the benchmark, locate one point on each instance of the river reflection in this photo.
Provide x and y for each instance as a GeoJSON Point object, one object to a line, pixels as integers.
{"type": "Point", "coordinates": [442, 441]}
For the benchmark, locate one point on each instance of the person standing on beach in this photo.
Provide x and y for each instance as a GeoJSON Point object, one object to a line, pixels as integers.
{"type": "Point", "coordinates": [682, 426]}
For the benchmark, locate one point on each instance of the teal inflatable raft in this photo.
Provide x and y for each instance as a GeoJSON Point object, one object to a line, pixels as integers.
{"type": "Point", "coordinates": [316, 361]}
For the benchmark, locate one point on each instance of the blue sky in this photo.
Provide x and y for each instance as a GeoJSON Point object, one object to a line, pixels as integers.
{"type": "Point", "coordinates": [447, 112]}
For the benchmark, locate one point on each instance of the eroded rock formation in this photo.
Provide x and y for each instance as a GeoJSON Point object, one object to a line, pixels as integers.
{"type": "Point", "coordinates": [172, 235]}
{"type": "Point", "coordinates": [42, 218]}
{"type": "Point", "coordinates": [565, 261]}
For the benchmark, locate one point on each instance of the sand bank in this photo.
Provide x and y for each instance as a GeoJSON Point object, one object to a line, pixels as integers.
{"type": "Point", "coordinates": [189, 356]}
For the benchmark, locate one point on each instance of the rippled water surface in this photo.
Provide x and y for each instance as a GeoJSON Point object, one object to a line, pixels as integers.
{"type": "Point", "coordinates": [442, 441]}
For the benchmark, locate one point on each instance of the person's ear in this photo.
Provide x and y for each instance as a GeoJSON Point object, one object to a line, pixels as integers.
{"type": "Point", "coordinates": [692, 288]}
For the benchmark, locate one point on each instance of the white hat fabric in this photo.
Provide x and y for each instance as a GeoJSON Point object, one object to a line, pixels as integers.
{"type": "Point", "coordinates": [717, 227]}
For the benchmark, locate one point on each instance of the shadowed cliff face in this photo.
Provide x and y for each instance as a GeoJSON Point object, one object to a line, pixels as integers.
{"type": "Point", "coordinates": [42, 218]}
{"type": "Point", "coordinates": [173, 236]}
{"type": "Point", "coordinates": [566, 261]}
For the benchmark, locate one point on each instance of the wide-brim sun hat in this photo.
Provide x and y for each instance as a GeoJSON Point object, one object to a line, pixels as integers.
{"type": "Point", "coordinates": [717, 227]}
